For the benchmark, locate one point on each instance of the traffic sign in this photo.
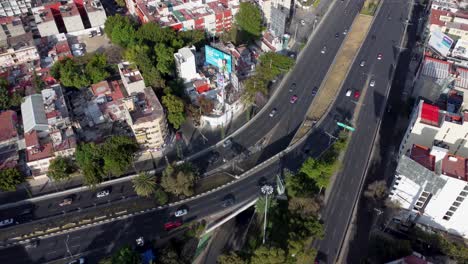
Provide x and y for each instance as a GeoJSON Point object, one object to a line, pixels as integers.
{"type": "Point", "coordinates": [350, 128]}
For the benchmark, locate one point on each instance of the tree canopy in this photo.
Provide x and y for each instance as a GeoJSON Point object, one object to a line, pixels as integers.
{"type": "Point", "coordinates": [60, 168]}
{"type": "Point", "coordinates": [230, 258]}
{"type": "Point", "coordinates": [8, 100]}
{"type": "Point", "coordinates": [175, 109]}
{"type": "Point", "coordinates": [70, 73]}
{"type": "Point", "coordinates": [144, 184]}
{"type": "Point", "coordinates": [9, 178]}
{"type": "Point", "coordinates": [249, 20]}
{"type": "Point", "coordinates": [96, 68]}
{"type": "Point", "coordinates": [178, 180]}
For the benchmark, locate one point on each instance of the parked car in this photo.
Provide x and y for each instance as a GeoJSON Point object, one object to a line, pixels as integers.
{"type": "Point", "coordinates": [103, 193]}
{"type": "Point", "coordinates": [181, 212]}
{"type": "Point", "coordinates": [66, 201]}
{"type": "Point", "coordinates": [171, 225]}
{"type": "Point", "coordinates": [273, 112]}
{"type": "Point", "coordinates": [293, 99]}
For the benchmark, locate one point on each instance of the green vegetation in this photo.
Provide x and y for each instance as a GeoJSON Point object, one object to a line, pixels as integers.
{"type": "Point", "coordinates": [61, 168]}
{"type": "Point", "coordinates": [8, 100]}
{"type": "Point", "coordinates": [144, 184]}
{"type": "Point", "coordinates": [230, 258]}
{"type": "Point", "coordinates": [120, 3]}
{"type": "Point", "coordinates": [113, 157]}
{"type": "Point", "coordinates": [125, 255]}
{"type": "Point", "coordinates": [80, 73]}
{"type": "Point", "coordinates": [376, 191]}
{"type": "Point", "coordinates": [385, 248]}
{"type": "Point", "coordinates": [271, 66]}
{"type": "Point", "coordinates": [161, 196]}
{"type": "Point", "coordinates": [9, 178]}
{"type": "Point", "coordinates": [370, 6]}
{"type": "Point", "coordinates": [316, 3]}
{"type": "Point", "coordinates": [175, 109]}
{"type": "Point", "coordinates": [249, 22]}
{"type": "Point", "coordinates": [179, 180]}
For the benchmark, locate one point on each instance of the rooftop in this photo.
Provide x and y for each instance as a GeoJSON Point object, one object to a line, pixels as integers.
{"type": "Point", "coordinates": [147, 107]}
{"type": "Point", "coordinates": [37, 150]}
{"type": "Point", "coordinates": [54, 103]}
{"type": "Point", "coordinates": [8, 156]}
{"type": "Point", "coordinates": [8, 122]}
{"type": "Point", "coordinates": [132, 74]}
{"type": "Point", "coordinates": [434, 19]}
{"type": "Point", "coordinates": [43, 14]}
{"type": "Point", "coordinates": [21, 42]}
{"type": "Point", "coordinates": [455, 166]}
{"type": "Point", "coordinates": [93, 5]}
{"type": "Point", "coordinates": [422, 155]}
{"type": "Point", "coordinates": [69, 10]}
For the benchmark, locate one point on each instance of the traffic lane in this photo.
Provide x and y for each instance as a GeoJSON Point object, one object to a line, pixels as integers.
{"type": "Point", "coordinates": [346, 183]}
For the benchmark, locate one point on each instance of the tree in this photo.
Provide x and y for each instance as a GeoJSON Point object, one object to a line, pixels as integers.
{"type": "Point", "coordinates": [195, 113]}
{"type": "Point", "coordinates": [120, 3]}
{"type": "Point", "coordinates": [193, 37]}
{"type": "Point", "coordinates": [144, 184]}
{"type": "Point", "coordinates": [230, 258]}
{"type": "Point", "coordinates": [60, 168]}
{"type": "Point", "coordinates": [376, 191]}
{"type": "Point", "coordinates": [38, 83]}
{"type": "Point", "coordinates": [275, 63]}
{"type": "Point", "coordinates": [117, 153]}
{"type": "Point", "coordinates": [164, 58]}
{"type": "Point", "coordinates": [70, 73]}
{"type": "Point", "coordinates": [169, 255]}
{"type": "Point", "coordinates": [120, 30]}
{"type": "Point", "coordinates": [260, 205]}
{"type": "Point", "coordinates": [178, 181]}
{"type": "Point", "coordinates": [96, 68]}
{"type": "Point", "coordinates": [250, 21]}
{"type": "Point", "coordinates": [304, 206]}
{"type": "Point", "coordinates": [125, 256]}
{"type": "Point", "coordinates": [317, 170]}
{"type": "Point", "coordinates": [252, 86]}
{"type": "Point", "coordinates": [384, 248]}
{"type": "Point", "coordinates": [4, 95]}
{"type": "Point", "coordinates": [264, 255]}
{"type": "Point", "coordinates": [206, 105]}
{"type": "Point", "coordinates": [89, 159]}
{"type": "Point", "coordinates": [161, 196]}
{"type": "Point", "coordinates": [9, 178]}
{"type": "Point", "coordinates": [175, 108]}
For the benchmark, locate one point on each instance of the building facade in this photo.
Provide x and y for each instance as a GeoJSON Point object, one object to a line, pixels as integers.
{"type": "Point", "coordinates": [185, 64]}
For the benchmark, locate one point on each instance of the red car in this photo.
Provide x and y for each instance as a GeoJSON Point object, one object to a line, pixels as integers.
{"type": "Point", "coordinates": [293, 99]}
{"type": "Point", "coordinates": [357, 93]}
{"type": "Point", "coordinates": [171, 225]}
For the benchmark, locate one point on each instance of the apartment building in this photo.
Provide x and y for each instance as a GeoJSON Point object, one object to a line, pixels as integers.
{"type": "Point", "coordinates": [185, 64]}
{"type": "Point", "coordinates": [18, 50]}
{"type": "Point", "coordinates": [71, 17]}
{"type": "Point", "coordinates": [147, 119]}
{"type": "Point", "coordinates": [212, 16]}
{"type": "Point", "coordinates": [11, 27]}
{"type": "Point", "coordinates": [96, 13]}
{"type": "Point", "coordinates": [131, 78]}
{"type": "Point", "coordinates": [47, 130]}
{"type": "Point", "coordinates": [45, 21]}
{"type": "Point", "coordinates": [14, 7]}
{"type": "Point", "coordinates": [431, 180]}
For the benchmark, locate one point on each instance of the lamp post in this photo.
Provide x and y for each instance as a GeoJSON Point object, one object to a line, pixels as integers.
{"type": "Point", "coordinates": [66, 245]}
{"type": "Point", "coordinates": [266, 190]}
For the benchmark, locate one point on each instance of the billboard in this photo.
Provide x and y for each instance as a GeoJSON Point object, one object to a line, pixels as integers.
{"type": "Point", "coordinates": [440, 42]}
{"type": "Point", "coordinates": [218, 58]}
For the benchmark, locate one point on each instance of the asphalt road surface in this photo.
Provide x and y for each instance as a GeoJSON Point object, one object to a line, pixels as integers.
{"type": "Point", "coordinates": [384, 38]}
{"type": "Point", "coordinates": [281, 127]}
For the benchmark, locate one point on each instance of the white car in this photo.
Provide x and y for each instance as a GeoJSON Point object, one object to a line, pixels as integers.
{"type": "Point", "coordinates": [77, 46]}
{"type": "Point", "coordinates": [302, 22]}
{"type": "Point", "coordinates": [102, 193]}
{"type": "Point", "coordinates": [324, 49]}
{"type": "Point", "coordinates": [180, 212]}
{"type": "Point", "coordinates": [140, 241]}
{"type": "Point", "coordinates": [348, 93]}
{"type": "Point", "coordinates": [372, 83]}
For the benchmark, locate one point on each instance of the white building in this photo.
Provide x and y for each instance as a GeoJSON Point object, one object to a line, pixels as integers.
{"type": "Point", "coordinates": [96, 13]}
{"type": "Point", "coordinates": [431, 180]}
{"type": "Point", "coordinates": [45, 21]}
{"type": "Point", "coordinates": [18, 50]}
{"type": "Point", "coordinates": [14, 7]}
{"type": "Point", "coordinates": [34, 116]}
{"type": "Point", "coordinates": [71, 17]}
{"type": "Point", "coordinates": [131, 78]}
{"type": "Point", "coordinates": [185, 64]}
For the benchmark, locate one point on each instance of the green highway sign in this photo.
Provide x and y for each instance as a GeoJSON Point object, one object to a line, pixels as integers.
{"type": "Point", "coordinates": [350, 128]}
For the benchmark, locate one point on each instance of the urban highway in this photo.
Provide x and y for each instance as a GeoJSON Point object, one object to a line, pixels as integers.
{"type": "Point", "coordinates": [309, 72]}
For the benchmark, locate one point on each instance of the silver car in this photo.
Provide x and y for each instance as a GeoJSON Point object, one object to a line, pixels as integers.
{"type": "Point", "coordinates": [181, 212]}
{"type": "Point", "coordinates": [102, 193]}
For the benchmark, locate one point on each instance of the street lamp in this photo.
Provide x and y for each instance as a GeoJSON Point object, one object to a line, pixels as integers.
{"type": "Point", "coordinates": [66, 245]}
{"type": "Point", "coordinates": [266, 190]}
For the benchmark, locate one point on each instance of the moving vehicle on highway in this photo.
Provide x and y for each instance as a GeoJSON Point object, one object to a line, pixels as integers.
{"type": "Point", "coordinates": [6, 222]}
{"type": "Point", "coordinates": [372, 83]}
{"type": "Point", "coordinates": [66, 201]}
{"type": "Point", "coordinates": [302, 22]}
{"type": "Point", "coordinates": [292, 87]}
{"type": "Point", "coordinates": [181, 212]}
{"type": "Point", "coordinates": [293, 99]}
{"type": "Point", "coordinates": [32, 244]}
{"type": "Point", "coordinates": [228, 200]}
{"type": "Point", "coordinates": [314, 90]}
{"type": "Point", "coordinates": [345, 32]}
{"type": "Point", "coordinates": [348, 93]}
{"type": "Point", "coordinates": [363, 63]}
{"type": "Point", "coordinates": [337, 35]}
{"type": "Point", "coordinates": [379, 56]}
{"type": "Point", "coordinates": [273, 112]}
{"type": "Point", "coordinates": [171, 225]}
{"type": "Point", "coordinates": [357, 94]}
{"type": "Point", "coordinates": [103, 193]}
{"type": "Point", "coordinates": [140, 241]}
{"type": "Point", "coordinates": [77, 261]}
{"type": "Point", "coordinates": [324, 49]}
{"type": "Point", "coordinates": [227, 143]}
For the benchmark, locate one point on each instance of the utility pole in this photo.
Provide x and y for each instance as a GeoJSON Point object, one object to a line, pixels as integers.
{"type": "Point", "coordinates": [266, 190]}
{"type": "Point", "coordinates": [295, 32]}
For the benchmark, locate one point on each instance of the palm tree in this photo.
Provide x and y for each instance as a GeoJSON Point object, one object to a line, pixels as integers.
{"type": "Point", "coordinates": [144, 184]}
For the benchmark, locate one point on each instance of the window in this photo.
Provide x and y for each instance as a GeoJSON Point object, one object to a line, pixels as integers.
{"type": "Point", "coordinates": [446, 218]}
{"type": "Point", "coordinates": [456, 204]}
{"type": "Point", "coordinates": [424, 194]}
{"type": "Point", "coordinates": [453, 208]}
{"type": "Point", "coordinates": [460, 199]}
{"type": "Point", "coordinates": [466, 188]}
{"type": "Point", "coordinates": [449, 213]}
{"type": "Point", "coordinates": [419, 204]}
{"type": "Point", "coordinates": [463, 194]}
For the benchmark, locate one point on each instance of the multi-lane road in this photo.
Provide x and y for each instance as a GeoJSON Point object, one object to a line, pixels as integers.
{"type": "Point", "coordinates": [309, 72]}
